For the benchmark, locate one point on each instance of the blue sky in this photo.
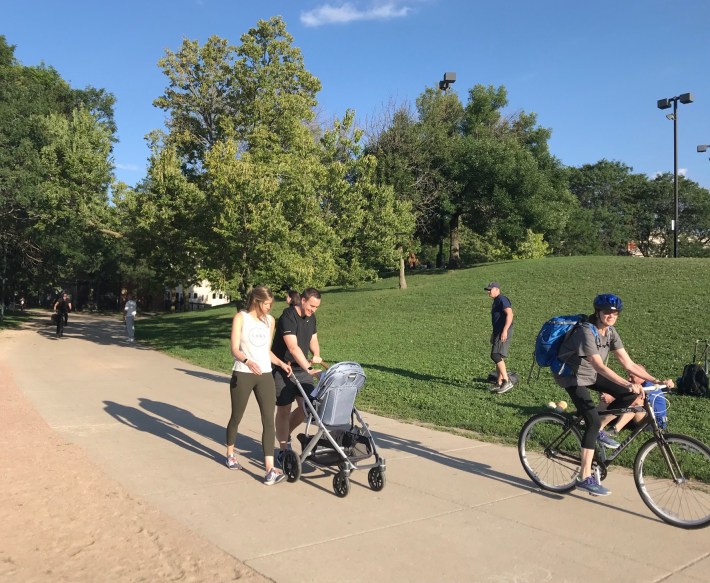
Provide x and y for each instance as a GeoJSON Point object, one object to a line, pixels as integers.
{"type": "Point", "coordinates": [591, 71]}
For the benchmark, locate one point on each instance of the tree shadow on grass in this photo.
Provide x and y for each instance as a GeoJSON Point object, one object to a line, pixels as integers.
{"type": "Point", "coordinates": [414, 375]}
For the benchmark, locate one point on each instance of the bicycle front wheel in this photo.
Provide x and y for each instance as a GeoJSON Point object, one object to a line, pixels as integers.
{"type": "Point", "coordinates": [550, 451]}
{"type": "Point", "coordinates": [673, 479]}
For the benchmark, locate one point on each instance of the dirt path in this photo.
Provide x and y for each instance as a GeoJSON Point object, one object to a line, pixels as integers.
{"type": "Point", "coordinates": [63, 519]}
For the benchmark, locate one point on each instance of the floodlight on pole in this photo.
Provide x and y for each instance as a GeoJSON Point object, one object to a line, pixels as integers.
{"type": "Point", "coordinates": [448, 80]}
{"type": "Point", "coordinates": [666, 104]}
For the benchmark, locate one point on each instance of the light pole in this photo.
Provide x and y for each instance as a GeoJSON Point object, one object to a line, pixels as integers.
{"type": "Point", "coordinates": [665, 104]}
{"type": "Point", "coordinates": [444, 84]}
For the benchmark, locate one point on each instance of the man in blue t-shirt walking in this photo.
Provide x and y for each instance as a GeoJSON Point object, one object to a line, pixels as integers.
{"type": "Point", "coordinates": [502, 321]}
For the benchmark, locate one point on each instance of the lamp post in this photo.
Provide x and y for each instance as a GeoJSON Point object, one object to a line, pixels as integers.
{"type": "Point", "coordinates": [444, 84]}
{"type": "Point", "coordinates": [665, 104]}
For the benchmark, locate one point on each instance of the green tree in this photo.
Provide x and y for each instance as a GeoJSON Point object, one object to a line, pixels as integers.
{"type": "Point", "coordinates": [55, 169]}
{"type": "Point", "coordinates": [272, 203]}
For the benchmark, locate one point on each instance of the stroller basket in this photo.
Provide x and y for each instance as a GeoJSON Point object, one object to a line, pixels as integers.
{"type": "Point", "coordinates": [355, 445]}
{"type": "Point", "coordinates": [335, 393]}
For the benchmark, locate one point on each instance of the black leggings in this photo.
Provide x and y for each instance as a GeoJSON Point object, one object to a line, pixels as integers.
{"type": "Point", "coordinates": [583, 401]}
{"type": "Point", "coordinates": [240, 389]}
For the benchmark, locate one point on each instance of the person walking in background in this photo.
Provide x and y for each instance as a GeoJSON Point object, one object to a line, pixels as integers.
{"type": "Point", "coordinates": [502, 321]}
{"type": "Point", "coordinates": [296, 336]}
{"type": "Point", "coordinates": [129, 317]}
{"type": "Point", "coordinates": [252, 334]}
{"type": "Point", "coordinates": [62, 307]}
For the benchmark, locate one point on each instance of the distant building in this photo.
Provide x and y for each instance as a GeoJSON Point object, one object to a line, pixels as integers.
{"type": "Point", "coordinates": [195, 297]}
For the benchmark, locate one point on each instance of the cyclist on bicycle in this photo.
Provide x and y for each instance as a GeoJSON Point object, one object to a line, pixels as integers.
{"type": "Point", "coordinates": [586, 349]}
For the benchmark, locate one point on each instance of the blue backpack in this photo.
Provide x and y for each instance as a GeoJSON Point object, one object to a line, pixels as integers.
{"type": "Point", "coordinates": [549, 340]}
{"type": "Point", "coordinates": [660, 407]}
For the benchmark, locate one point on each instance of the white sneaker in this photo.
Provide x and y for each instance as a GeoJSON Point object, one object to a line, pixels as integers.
{"type": "Point", "coordinates": [274, 477]}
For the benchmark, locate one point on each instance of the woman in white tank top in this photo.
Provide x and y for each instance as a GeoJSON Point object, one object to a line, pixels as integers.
{"type": "Point", "coordinates": [252, 334]}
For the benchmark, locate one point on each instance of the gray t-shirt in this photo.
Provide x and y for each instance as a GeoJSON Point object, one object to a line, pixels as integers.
{"type": "Point", "coordinates": [580, 344]}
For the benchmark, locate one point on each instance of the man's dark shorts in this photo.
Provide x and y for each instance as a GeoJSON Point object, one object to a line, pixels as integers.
{"type": "Point", "coordinates": [286, 389]}
{"type": "Point", "coordinates": [500, 347]}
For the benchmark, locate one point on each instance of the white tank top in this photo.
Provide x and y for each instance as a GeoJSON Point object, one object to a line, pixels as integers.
{"type": "Point", "coordinates": [255, 343]}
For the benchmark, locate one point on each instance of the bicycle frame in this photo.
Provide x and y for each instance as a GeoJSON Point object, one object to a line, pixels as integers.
{"type": "Point", "coordinates": [604, 459]}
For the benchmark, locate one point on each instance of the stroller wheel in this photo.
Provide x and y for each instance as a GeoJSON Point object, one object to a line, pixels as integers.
{"type": "Point", "coordinates": [292, 465]}
{"type": "Point", "coordinates": [376, 479]}
{"type": "Point", "coordinates": [341, 485]}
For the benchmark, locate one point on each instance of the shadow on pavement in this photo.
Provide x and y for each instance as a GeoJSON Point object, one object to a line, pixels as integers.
{"type": "Point", "coordinates": [171, 432]}
{"type": "Point", "coordinates": [415, 448]}
{"type": "Point", "coordinates": [218, 378]}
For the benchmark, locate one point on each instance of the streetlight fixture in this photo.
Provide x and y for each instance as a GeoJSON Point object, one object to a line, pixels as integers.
{"type": "Point", "coordinates": [666, 104]}
{"type": "Point", "coordinates": [704, 148]}
{"type": "Point", "coordinates": [449, 79]}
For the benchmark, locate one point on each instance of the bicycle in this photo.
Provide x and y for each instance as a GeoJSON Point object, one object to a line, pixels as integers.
{"type": "Point", "coordinates": [671, 471]}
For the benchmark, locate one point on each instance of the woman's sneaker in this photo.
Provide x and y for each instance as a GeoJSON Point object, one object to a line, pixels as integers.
{"type": "Point", "coordinates": [273, 476]}
{"type": "Point", "coordinates": [606, 440]}
{"type": "Point", "coordinates": [232, 463]}
{"type": "Point", "coordinates": [591, 485]}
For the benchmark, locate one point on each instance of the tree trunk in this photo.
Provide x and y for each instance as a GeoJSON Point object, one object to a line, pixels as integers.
{"type": "Point", "coordinates": [455, 243]}
{"type": "Point", "coordinates": [402, 279]}
{"type": "Point", "coordinates": [440, 254]}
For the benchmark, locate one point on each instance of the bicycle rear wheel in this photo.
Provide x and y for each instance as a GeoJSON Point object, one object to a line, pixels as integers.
{"type": "Point", "coordinates": [549, 451]}
{"type": "Point", "coordinates": [673, 480]}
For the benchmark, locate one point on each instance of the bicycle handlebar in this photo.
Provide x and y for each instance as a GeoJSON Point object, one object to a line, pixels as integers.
{"type": "Point", "coordinates": [663, 388]}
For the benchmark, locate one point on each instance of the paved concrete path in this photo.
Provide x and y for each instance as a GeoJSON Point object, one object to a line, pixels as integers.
{"type": "Point", "coordinates": [453, 508]}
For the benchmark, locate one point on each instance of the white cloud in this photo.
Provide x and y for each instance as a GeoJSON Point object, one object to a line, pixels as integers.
{"type": "Point", "coordinates": [681, 172]}
{"type": "Point", "coordinates": [128, 167]}
{"type": "Point", "coordinates": [349, 12]}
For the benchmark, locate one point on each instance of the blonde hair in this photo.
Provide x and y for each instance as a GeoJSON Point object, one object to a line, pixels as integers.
{"type": "Point", "coordinates": [257, 297]}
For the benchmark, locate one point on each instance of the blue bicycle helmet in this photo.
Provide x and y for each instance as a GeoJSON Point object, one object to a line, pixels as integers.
{"type": "Point", "coordinates": [608, 302]}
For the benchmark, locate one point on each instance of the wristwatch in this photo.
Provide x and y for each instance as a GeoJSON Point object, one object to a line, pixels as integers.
{"type": "Point", "coordinates": [245, 360]}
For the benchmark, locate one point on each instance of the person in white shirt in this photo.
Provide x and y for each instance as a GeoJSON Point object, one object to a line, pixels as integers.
{"type": "Point", "coordinates": [252, 334]}
{"type": "Point", "coordinates": [129, 316]}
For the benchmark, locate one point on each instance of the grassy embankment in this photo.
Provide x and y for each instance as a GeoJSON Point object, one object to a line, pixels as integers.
{"type": "Point", "coordinates": [426, 349]}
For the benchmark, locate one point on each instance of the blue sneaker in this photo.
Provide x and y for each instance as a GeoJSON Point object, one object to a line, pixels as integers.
{"type": "Point", "coordinates": [606, 440]}
{"type": "Point", "coordinates": [591, 485]}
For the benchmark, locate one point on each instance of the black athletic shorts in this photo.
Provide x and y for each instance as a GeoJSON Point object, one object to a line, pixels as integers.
{"type": "Point", "coordinates": [286, 389]}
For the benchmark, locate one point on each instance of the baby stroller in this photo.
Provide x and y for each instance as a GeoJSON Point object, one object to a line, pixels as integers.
{"type": "Point", "coordinates": [341, 437]}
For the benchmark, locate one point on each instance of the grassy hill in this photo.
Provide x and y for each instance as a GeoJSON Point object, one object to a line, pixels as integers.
{"type": "Point", "coordinates": [426, 349]}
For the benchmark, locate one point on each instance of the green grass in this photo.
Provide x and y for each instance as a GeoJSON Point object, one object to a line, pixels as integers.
{"type": "Point", "coordinates": [426, 349]}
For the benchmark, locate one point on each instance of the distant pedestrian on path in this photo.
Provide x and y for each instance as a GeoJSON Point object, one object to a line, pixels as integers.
{"type": "Point", "coordinates": [129, 317]}
{"type": "Point", "coordinates": [502, 321]}
{"type": "Point", "coordinates": [252, 334]}
{"type": "Point", "coordinates": [62, 307]}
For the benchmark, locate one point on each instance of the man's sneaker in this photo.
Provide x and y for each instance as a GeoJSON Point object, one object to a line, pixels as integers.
{"type": "Point", "coordinates": [232, 462]}
{"type": "Point", "coordinates": [592, 486]}
{"type": "Point", "coordinates": [505, 387]}
{"type": "Point", "coordinates": [274, 477]}
{"type": "Point", "coordinates": [607, 441]}
{"type": "Point", "coordinates": [282, 452]}
{"type": "Point", "coordinates": [494, 388]}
